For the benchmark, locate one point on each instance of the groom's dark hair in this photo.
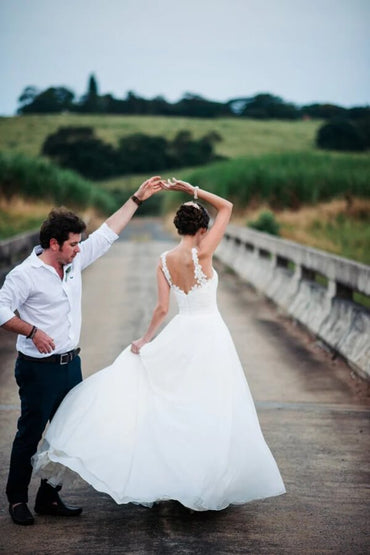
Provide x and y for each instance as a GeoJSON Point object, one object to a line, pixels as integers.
{"type": "Point", "coordinates": [58, 225]}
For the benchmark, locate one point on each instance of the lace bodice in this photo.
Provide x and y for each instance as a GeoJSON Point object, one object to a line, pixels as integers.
{"type": "Point", "coordinates": [202, 295]}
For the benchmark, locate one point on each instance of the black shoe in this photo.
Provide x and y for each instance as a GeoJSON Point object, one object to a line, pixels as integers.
{"type": "Point", "coordinates": [21, 514]}
{"type": "Point", "coordinates": [56, 507]}
{"type": "Point", "coordinates": [48, 502]}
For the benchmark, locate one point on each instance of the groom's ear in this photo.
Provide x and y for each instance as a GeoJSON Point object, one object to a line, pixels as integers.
{"type": "Point", "coordinates": [54, 245]}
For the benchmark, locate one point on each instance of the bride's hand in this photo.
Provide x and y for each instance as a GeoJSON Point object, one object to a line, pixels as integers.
{"type": "Point", "coordinates": [136, 345]}
{"type": "Point", "coordinates": [178, 185]}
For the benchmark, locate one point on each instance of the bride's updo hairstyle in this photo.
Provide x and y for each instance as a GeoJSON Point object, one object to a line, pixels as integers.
{"type": "Point", "coordinates": [190, 218]}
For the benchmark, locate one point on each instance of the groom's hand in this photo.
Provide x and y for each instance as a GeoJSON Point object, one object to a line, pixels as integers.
{"type": "Point", "coordinates": [149, 187]}
{"type": "Point", "coordinates": [43, 342]}
{"type": "Point", "coordinates": [118, 221]}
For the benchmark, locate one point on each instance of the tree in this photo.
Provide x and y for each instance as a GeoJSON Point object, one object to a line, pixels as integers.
{"type": "Point", "coordinates": [93, 87]}
{"type": "Point", "coordinates": [28, 96]}
{"type": "Point", "coordinates": [323, 111]}
{"type": "Point", "coordinates": [268, 106]}
{"type": "Point", "coordinates": [159, 106]}
{"type": "Point", "coordinates": [91, 102]}
{"type": "Point", "coordinates": [136, 104]}
{"type": "Point", "coordinates": [193, 105]}
{"type": "Point", "coordinates": [359, 113]}
{"type": "Point", "coordinates": [52, 100]}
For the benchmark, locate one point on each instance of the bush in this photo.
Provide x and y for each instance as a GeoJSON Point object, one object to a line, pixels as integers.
{"type": "Point", "coordinates": [266, 222]}
{"type": "Point", "coordinates": [283, 180]}
{"type": "Point", "coordinates": [38, 179]}
{"type": "Point", "coordinates": [77, 148]}
{"type": "Point", "coordinates": [341, 135]}
{"type": "Point", "coordinates": [184, 151]}
{"type": "Point", "coordinates": [140, 153]}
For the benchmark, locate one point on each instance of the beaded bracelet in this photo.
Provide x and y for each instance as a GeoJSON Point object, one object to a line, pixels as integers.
{"type": "Point", "coordinates": [196, 192]}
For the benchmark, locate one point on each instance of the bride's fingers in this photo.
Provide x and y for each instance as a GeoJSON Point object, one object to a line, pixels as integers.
{"type": "Point", "coordinates": [168, 184]}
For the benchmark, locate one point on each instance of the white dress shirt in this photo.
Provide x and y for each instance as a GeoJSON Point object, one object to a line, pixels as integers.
{"type": "Point", "coordinates": [43, 299]}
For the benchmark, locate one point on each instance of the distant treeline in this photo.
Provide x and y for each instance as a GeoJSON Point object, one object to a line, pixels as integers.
{"type": "Point", "coordinates": [260, 106]}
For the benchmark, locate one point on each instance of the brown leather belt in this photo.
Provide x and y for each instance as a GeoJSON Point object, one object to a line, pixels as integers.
{"type": "Point", "coordinates": [64, 358]}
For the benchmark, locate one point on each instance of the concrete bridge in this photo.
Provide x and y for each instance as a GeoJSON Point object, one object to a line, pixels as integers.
{"type": "Point", "coordinates": [314, 412]}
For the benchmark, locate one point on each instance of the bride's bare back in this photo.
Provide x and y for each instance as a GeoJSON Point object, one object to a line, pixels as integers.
{"type": "Point", "coordinates": [181, 267]}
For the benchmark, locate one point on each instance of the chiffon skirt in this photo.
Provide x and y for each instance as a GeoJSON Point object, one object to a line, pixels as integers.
{"type": "Point", "coordinates": [175, 422]}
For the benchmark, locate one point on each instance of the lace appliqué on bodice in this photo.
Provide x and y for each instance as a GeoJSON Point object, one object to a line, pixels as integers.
{"type": "Point", "coordinates": [200, 277]}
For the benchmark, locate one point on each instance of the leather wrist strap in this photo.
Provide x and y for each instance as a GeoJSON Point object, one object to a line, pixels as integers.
{"type": "Point", "coordinates": [32, 333]}
{"type": "Point", "coordinates": [136, 200]}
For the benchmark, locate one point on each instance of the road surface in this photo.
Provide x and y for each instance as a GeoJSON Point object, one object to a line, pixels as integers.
{"type": "Point", "coordinates": [314, 413]}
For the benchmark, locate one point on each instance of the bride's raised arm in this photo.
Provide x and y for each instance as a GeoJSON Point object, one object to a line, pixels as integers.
{"type": "Point", "coordinates": [224, 208]}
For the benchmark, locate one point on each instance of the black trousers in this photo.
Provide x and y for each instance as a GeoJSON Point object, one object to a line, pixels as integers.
{"type": "Point", "coordinates": [42, 387]}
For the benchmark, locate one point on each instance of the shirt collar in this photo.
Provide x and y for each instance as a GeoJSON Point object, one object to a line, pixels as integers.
{"type": "Point", "coordinates": [35, 259]}
{"type": "Point", "coordinates": [37, 262]}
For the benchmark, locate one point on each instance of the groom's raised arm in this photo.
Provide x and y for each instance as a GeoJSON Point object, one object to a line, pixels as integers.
{"type": "Point", "coordinates": [118, 221]}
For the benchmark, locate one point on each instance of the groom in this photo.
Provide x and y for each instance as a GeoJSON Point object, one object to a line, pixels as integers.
{"type": "Point", "coordinates": [45, 290]}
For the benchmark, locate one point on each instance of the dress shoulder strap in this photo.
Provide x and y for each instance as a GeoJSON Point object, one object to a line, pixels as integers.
{"type": "Point", "coordinates": [165, 269]}
{"type": "Point", "coordinates": [199, 275]}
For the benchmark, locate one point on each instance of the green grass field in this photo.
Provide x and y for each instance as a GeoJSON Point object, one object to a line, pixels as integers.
{"type": "Point", "coordinates": [245, 137]}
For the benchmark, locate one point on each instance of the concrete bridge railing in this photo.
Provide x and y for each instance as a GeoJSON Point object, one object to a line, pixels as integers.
{"type": "Point", "coordinates": [15, 249]}
{"type": "Point", "coordinates": [287, 273]}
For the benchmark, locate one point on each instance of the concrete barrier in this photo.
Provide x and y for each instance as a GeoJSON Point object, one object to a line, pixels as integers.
{"type": "Point", "coordinates": [14, 250]}
{"type": "Point", "coordinates": [287, 273]}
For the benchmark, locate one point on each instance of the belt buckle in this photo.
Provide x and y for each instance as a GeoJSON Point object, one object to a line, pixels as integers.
{"type": "Point", "coordinates": [65, 358]}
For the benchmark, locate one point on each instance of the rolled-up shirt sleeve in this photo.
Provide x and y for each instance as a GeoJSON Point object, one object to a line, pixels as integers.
{"type": "Point", "coordinates": [97, 244]}
{"type": "Point", "coordinates": [12, 294]}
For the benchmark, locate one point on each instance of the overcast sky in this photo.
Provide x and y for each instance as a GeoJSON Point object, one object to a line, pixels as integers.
{"type": "Point", "coordinates": [302, 50]}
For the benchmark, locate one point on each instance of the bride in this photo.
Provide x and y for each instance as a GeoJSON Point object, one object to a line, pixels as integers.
{"type": "Point", "coordinates": [172, 417]}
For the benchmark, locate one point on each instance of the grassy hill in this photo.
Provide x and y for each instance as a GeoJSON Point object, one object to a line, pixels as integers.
{"type": "Point", "coordinates": [273, 164]}
{"type": "Point", "coordinates": [26, 134]}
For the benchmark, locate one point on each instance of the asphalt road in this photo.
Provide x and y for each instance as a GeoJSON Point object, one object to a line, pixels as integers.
{"type": "Point", "coordinates": [313, 411]}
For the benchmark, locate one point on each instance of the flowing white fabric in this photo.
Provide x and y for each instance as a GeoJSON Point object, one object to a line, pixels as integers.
{"type": "Point", "coordinates": [175, 422]}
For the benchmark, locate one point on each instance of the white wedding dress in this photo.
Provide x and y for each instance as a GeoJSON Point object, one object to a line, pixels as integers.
{"type": "Point", "coordinates": [175, 422]}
